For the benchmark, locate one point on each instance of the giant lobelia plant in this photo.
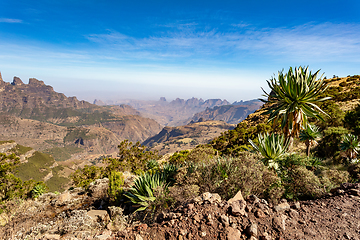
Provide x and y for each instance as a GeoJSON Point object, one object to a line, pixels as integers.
{"type": "Point", "coordinates": [294, 97]}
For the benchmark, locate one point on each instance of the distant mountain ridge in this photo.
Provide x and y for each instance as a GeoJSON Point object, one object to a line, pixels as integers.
{"type": "Point", "coordinates": [179, 112]}
{"type": "Point", "coordinates": [232, 114]}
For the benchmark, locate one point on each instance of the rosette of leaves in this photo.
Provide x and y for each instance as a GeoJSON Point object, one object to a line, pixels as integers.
{"type": "Point", "coordinates": [350, 144]}
{"type": "Point", "coordinates": [310, 134]}
{"type": "Point", "coordinates": [38, 190]}
{"type": "Point", "coordinates": [272, 148]}
{"type": "Point", "coordinates": [294, 97]}
{"type": "Point", "coordinates": [142, 192]}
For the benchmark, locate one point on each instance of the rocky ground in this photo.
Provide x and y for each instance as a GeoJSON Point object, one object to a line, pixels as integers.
{"type": "Point", "coordinates": [76, 214]}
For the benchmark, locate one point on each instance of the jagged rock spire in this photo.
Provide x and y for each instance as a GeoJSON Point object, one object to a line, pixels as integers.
{"type": "Point", "coordinates": [17, 81]}
{"type": "Point", "coordinates": [1, 77]}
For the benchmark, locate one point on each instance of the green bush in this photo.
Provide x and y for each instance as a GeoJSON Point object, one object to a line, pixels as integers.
{"type": "Point", "coordinates": [132, 157]}
{"type": "Point", "coordinates": [329, 145]}
{"type": "Point", "coordinates": [226, 176]}
{"type": "Point", "coordinates": [333, 178]}
{"type": "Point", "coordinates": [83, 177]}
{"type": "Point", "coordinates": [116, 183]}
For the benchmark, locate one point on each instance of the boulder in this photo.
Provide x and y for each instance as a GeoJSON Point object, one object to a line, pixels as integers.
{"type": "Point", "coordinates": [99, 188]}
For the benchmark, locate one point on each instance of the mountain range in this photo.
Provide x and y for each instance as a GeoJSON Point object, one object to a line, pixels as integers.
{"type": "Point", "coordinates": [180, 112]}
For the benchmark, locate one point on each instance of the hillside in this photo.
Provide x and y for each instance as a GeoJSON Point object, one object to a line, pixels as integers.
{"type": "Point", "coordinates": [35, 115]}
{"type": "Point", "coordinates": [345, 96]}
{"type": "Point", "coordinates": [179, 111]}
{"type": "Point", "coordinates": [172, 139]}
{"type": "Point", "coordinates": [232, 114]}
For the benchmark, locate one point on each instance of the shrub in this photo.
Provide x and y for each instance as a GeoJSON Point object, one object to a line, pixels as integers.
{"type": "Point", "coordinates": [83, 177]}
{"type": "Point", "coordinates": [132, 157]}
{"type": "Point", "coordinates": [354, 171]}
{"type": "Point", "coordinates": [116, 183]}
{"type": "Point", "coordinates": [328, 145]}
{"type": "Point", "coordinates": [333, 178]}
{"type": "Point", "coordinates": [226, 176]}
{"type": "Point", "coordinates": [301, 183]}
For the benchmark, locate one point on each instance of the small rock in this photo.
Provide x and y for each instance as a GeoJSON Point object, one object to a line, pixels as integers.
{"type": "Point", "coordinates": [51, 237]}
{"type": "Point", "coordinates": [253, 230]}
{"type": "Point", "coordinates": [233, 233]}
{"type": "Point", "coordinates": [265, 236]}
{"type": "Point", "coordinates": [238, 196]}
{"type": "Point", "coordinates": [296, 205]}
{"type": "Point", "coordinates": [203, 234]}
{"type": "Point", "coordinates": [101, 215]}
{"type": "Point", "coordinates": [238, 208]}
{"type": "Point", "coordinates": [293, 213]}
{"type": "Point", "coordinates": [99, 188]}
{"type": "Point", "coordinates": [183, 232]}
{"type": "Point", "coordinates": [138, 237]}
{"type": "Point", "coordinates": [279, 223]}
{"type": "Point", "coordinates": [197, 217]}
{"type": "Point", "coordinates": [102, 237]}
{"type": "Point", "coordinates": [282, 207]}
{"type": "Point", "coordinates": [259, 214]}
{"type": "Point", "coordinates": [224, 220]}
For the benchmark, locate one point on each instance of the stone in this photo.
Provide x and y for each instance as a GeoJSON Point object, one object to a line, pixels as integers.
{"type": "Point", "coordinates": [279, 223]}
{"type": "Point", "coordinates": [238, 196]}
{"type": "Point", "coordinates": [233, 233]}
{"type": "Point", "coordinates": [197, 217]}
{"type": "Point", "coordinates": [101, 215]}
{"type": "Point", "coordinates": [238, 208]}
{"type": "Point", "coordinates": [265, 236]}
{"type": "Point", "coordinates": [51, 237]}
{"type": "Point", "coordinates": [203, 234]}
{"type": "Point", "coordinates": [3, 219]}
{"type": "Point", "coordinates": [296, 205]}
{"type": "Point", "coordinates": [138, 237]}
{"type": "Point", "coordinates": [253, 230]}
{"type": "Point", "coordinates": [224, 220]}
{"type": "Point", "coordinates": [282, 207]}
{"type": "Point", "coordinates": [99, 188]}
{"type": "Point", "coordinates": [293, 213]}
{"type": "Point", "coordinates": [102, 237]}
{"type": "Point", "coordinates": [63, 198]}
{"type": "Point", "coordinates": [259, 214]}
{"type": "Point", "coordinates": [211, 197]}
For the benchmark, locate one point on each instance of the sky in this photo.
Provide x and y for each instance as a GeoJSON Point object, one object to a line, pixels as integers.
{"type": "Point", "coordinates": [112, 50]}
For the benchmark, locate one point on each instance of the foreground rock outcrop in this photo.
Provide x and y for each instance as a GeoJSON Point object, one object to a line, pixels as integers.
{"type": "Point", "coordinates": [77, 214]}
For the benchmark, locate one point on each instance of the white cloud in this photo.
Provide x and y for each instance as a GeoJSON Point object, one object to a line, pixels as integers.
{"type": "Point", "coordinates": [322, 41]}
{"type": "Point", "coordinates": [10, 20]}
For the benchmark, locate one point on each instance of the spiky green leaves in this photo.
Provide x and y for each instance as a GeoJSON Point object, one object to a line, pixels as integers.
{"type": "Point", "coordinates": [294, 96]}
{"type": "Point", "coordinates": [142, 192]}
{"type": "Point", "coordinates": [272, 147]}
{"type": "Point", "coordinates": [310, 134]}
{"type": "Point", "coordinates": [350, 144]}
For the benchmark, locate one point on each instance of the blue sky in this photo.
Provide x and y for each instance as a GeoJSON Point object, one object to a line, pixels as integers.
{"type": "Point", "coordinates": [148, 49]}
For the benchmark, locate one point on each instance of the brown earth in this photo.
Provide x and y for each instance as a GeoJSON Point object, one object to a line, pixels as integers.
{"type": "Point", "coordinates": [73, 215]}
